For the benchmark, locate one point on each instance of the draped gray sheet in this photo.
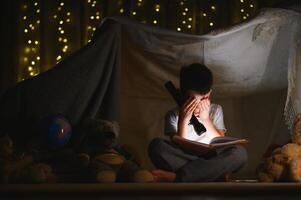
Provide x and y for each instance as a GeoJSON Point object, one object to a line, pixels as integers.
{"type": "Point", "coordinates": [122, 71]}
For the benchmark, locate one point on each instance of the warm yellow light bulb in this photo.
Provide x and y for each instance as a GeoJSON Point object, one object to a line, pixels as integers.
{"type": "Point", "coordinates": [59, 28]}
{"type": "Point", "coordinates": [244, 17]}
{"type": "Point", "coordinates": [58, 57]}
{"type": "Point", "coordinates": [182, 3]}
{"type": "Point", "coordinates": [184, 13]}
{"type": "Point", "coordinates": [178, 29]}
{"type": "Point", "coordinates": [62, 31]}
{"type": "Point", "coordinates": [30, 68]}
{"type": "Point", "coordinates": [65, 48]}
{"type": "Point", "coordinates": [24, 17]}
{"type": "Point", "coordinates": [251, 5]}
{"type": "Point", "coordinates": [27, 50]}
{"type": "Point", "coordinates": [33, 62]}
{"type": "Point", "coordinates": [62, 3]}
{"type": "Point", "coordinates": [133, 13]}
{"type": "Point", "coordinates": [204, 14]}
{"type": "Point", "coordinates": [60, 39]}
{"type": "Point", "coordinates": [61, 22]}
{"type": "Point", "coordinates": [155, 21]}
{"type": "Point", "coordinates": [92, 17]}
{"type": "Point", "coordinates": [97, 17]}
{"type": "Point", "coordinates": [213, 7]}
{"type": "Point", "coordinates": [38, 21]}
{"type": "Point", "coordinates": [36, 42]}
{"type": "Point", "coordinates": [29, 41]}
{"type": "Point", "coordinates": [184, 22]}
{"type": "Point", "coordinates": [31, 74]}
{"type": "Point", "coordinates": [242, 10]}
{"type": "Point", "coordinates": [54, 16]}
{"type": "Point", "coordinates": [65, 40]}
{"type": "Point", "coordinates": [241, 1]}
{"type": "Point", "coordinates": [121, 10]}
{"type": "Point", "coordinates": [38, 11]}
{"type": "Point", "coordinates": [36, 3]}
{"type": "Point", "coordinates": [211, 24]}
{"type": "Point", "coordinates": [186, 9]}
{"type": "Point", "coordinates": [157, 9]}
{"type": "Point", "coordinates": [25, 59]}
{"type": "Point", "coordinates": [68, 20]}
{"type": "Point", "coordinates": [38, 58]}
{"type": "Point", "coordinates": [68, 13]}
{"type": "Point", "coordinates": [25, 30]}
{"type": "Point", "coordinates": [189, 19]}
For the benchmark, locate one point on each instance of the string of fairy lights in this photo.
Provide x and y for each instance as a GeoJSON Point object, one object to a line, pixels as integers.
{"type": "Point", "coordinates": [95, 10]}
{"type": "Point", "coordinates": [186, 21]}
{"type": "Point", "coordinates": [154, 12]}
{"type": "Point", "coordinates": [62, 18]}
{"type": "Point", "coordinates": [138, 10]}
{"type": "Point", "coordinates": [30, 45]}
{"type": "Point", "coordinates": [247, 8]}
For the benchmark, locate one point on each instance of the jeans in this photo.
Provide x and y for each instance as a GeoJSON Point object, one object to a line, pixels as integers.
{"type": "Point", "coordinates": [188, 167]}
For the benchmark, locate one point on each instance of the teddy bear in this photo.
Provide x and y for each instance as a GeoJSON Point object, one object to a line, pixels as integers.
{"type": "Point", "coordinates": [109, 161]}
{"type": "Point", "coordinates": [21, 168]}
{"type": "Point", "coordinates": [283, 164]}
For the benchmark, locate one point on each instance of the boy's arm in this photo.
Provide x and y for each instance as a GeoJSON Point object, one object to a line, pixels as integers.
{"type": "Point", "coordinates": [221, 132]}
{"type": "Point", "coordinates": [211, 128]}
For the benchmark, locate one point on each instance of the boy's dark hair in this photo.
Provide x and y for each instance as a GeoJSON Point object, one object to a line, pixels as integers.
{"type": "Point", "coordinates": [195, 77]}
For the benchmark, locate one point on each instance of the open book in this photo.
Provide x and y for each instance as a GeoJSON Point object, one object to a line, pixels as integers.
{"type": "Point", "coordinates": [202, 148]}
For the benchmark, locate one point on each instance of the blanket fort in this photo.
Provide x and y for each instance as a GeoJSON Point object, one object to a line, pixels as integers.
{"type": "Point", "coordinates": [120, 75]}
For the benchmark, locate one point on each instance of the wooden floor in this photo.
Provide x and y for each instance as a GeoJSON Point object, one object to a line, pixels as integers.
{"type": "Point", "coordinates": [151, 191]}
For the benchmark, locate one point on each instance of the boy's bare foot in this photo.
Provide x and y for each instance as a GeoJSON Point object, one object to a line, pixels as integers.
{"type": "Point", "coordinates": [162, 175]}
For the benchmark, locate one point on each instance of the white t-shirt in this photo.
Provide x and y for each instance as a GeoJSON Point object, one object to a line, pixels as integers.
{"type": "Point", "coordinates": [215, 114]}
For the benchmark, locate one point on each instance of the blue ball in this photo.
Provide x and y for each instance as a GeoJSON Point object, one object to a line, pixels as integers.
{"type": "Point", "coordinates": [56, 131]}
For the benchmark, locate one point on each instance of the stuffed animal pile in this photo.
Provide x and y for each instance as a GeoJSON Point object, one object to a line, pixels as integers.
{"type": "Point", "coordinates": [97, 158]}
{"type": "Point", "coordinates": [284, 163]}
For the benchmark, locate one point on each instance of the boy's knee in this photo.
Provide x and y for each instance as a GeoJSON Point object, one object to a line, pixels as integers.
{"type": "Point", "coordinates": [156, 146]}
{"type": "Point", "coordinates": [240, 154]}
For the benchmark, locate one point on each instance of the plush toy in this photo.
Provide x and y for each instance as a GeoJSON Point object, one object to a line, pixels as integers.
{"type": "Point", "coordinates": [21, 168]}
{"type": "Point", "coordinates": [284, 163]}
{"type": "Point", "coordinates": [34, 173]}
{"type": "Point", "coordinates": [110, 161]}
{"type": "Point", "coordinates": [48, 159]}
{"type": "Point", "coordinates": [6, 146]}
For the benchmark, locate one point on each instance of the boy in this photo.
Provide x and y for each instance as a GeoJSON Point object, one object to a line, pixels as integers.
{"type": "Point", "coordinates": [176, 165]}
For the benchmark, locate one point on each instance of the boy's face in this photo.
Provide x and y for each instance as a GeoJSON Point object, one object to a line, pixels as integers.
{"type": "Point", "coordinates": [201, 97]}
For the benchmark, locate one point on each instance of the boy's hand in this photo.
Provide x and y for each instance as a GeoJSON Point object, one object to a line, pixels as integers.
{"type": "Point", "coordinates": [187, 109]}
{"type": "Point", "coordinates": [204, 109]}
